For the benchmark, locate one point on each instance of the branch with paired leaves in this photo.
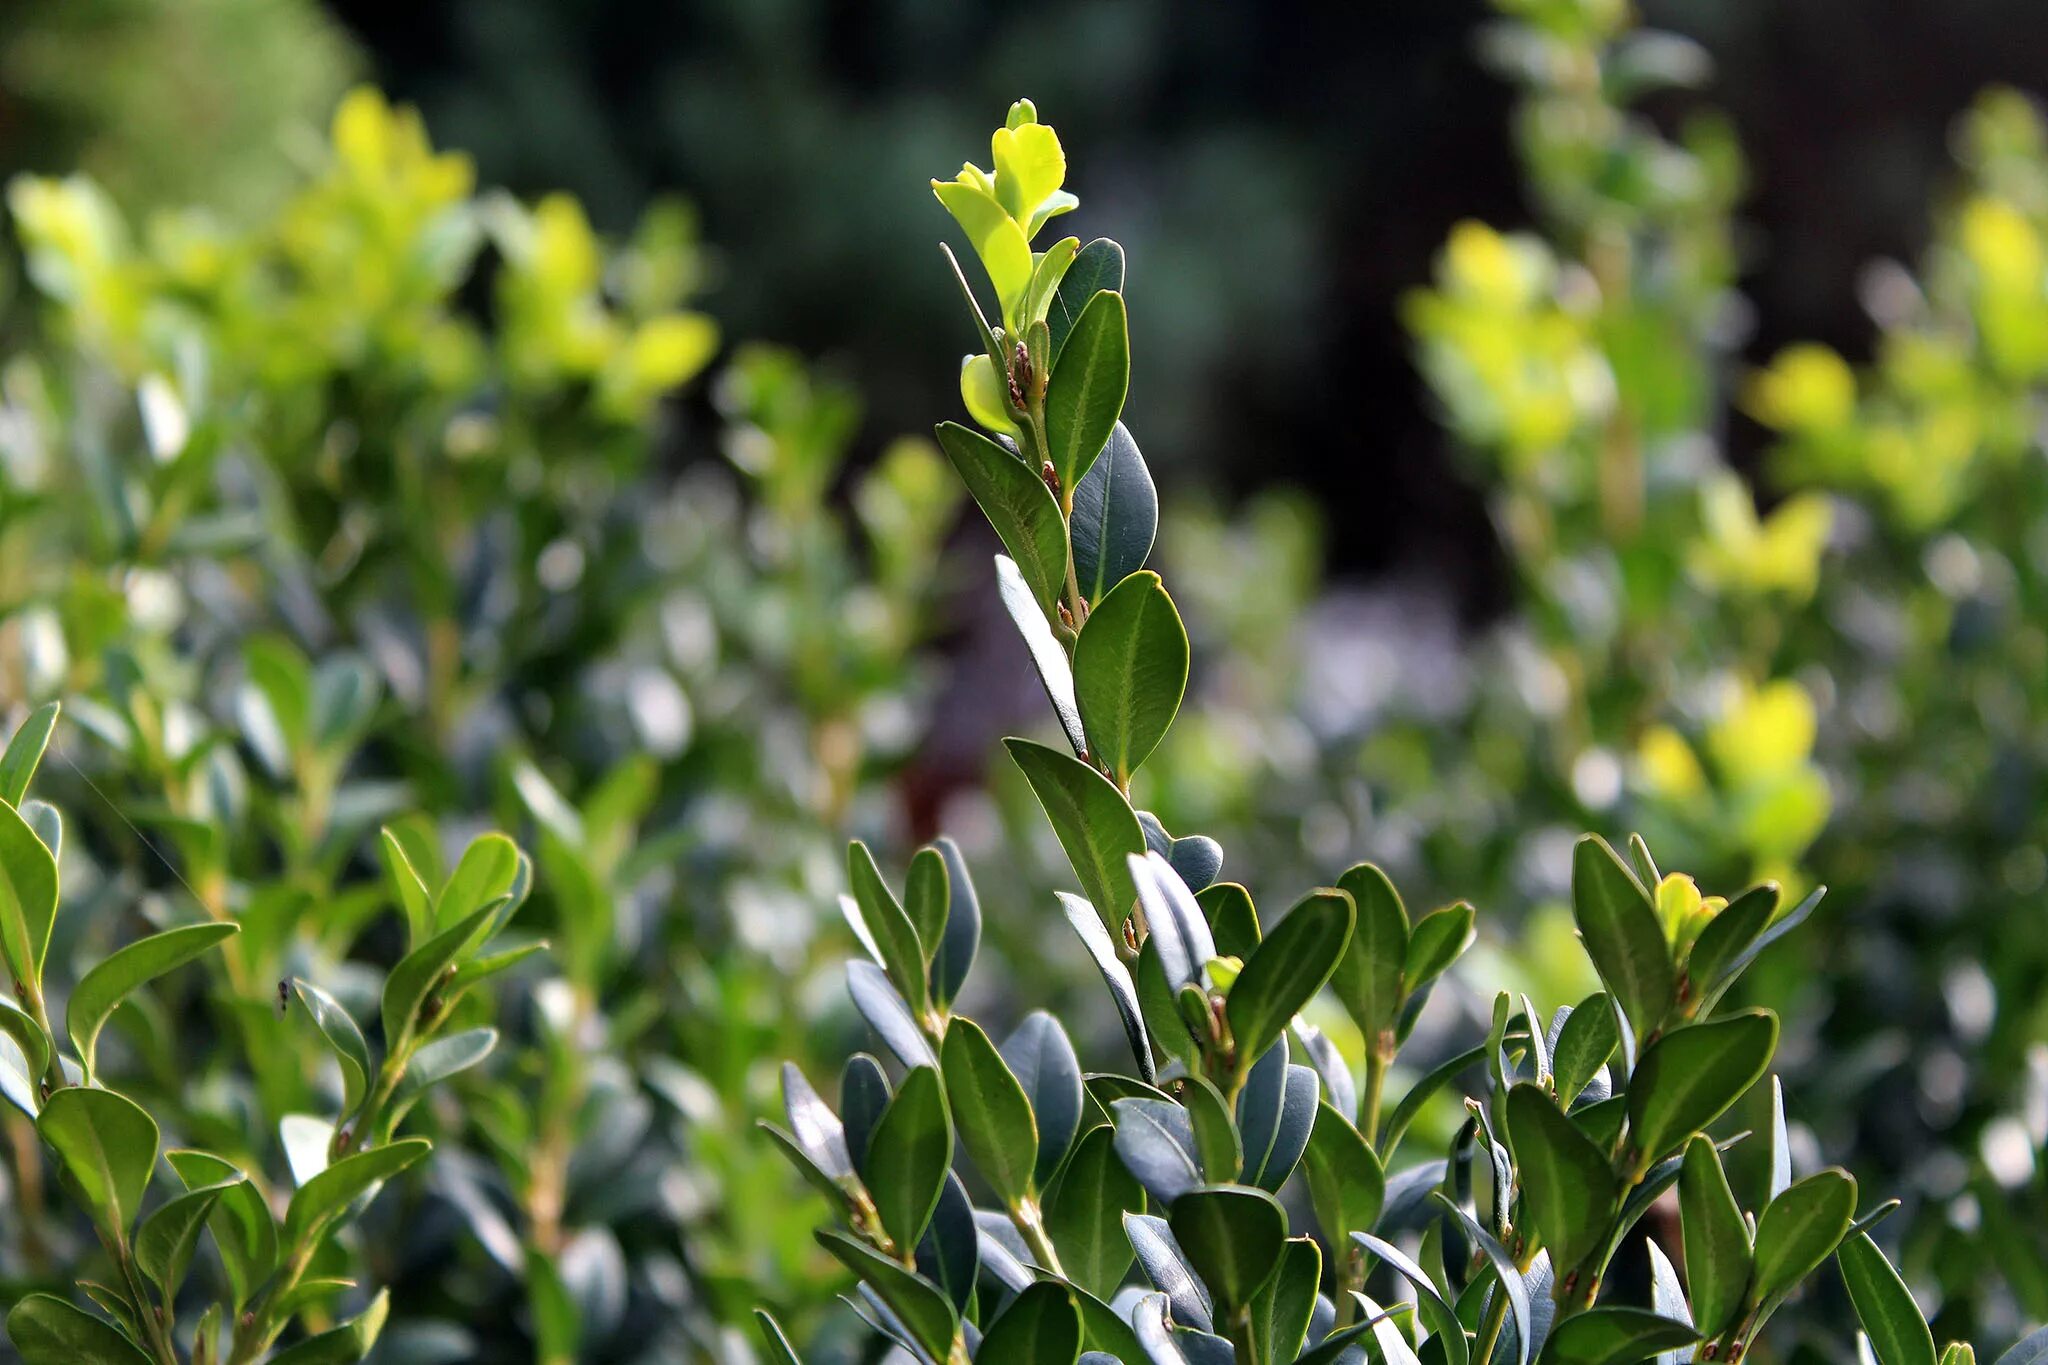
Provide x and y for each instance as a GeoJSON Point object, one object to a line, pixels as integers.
{"type": "Point", "coordinates": [275, 1250]}
{"type": "Point", "coordinates": [1574, 1121]}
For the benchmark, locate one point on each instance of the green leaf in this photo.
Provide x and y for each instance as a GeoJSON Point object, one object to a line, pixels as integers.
{"type": "Point", "coordinates": [25, 751]}
{"type": "Point", "coordinates": [1115, 517]}
{"type": "Point", "coordinates": [1721, 942]}
{"type": "Point", "coordinates": [28, 897]}
{"type": "Point", "coordinates": [241, 1223]}
{"type": "Point", "coordinates": [1445, 1328]}
{"type": "Point", "coordinates": [925, 895]}
{"type": "Point", "coordinates": [1217, 1142]}
{"type": "Point", "coordinates": [1588, 1038]}
{"type": "Point", "coordinates": [1687, 1079]}
{"type": "Point", "coordinates": [1285, 973]}
{"type": "Point", "coordinates": [990, 1111]}
{"type": "Point", "coordinates": [103, 988]}
{"type": "Point", "coordinates": [1130, 671]}
{"type": "Point", "coordinates": [903, 951]}
{"type": "Point", "coordinates": [488, 872]}
{"type": "Point", "coordinates": [1614, 1336]}
{"type": "Point", "coordinates": [317, 1203]}
{"type": "Point", "coordinates": [1023, 511]}
{"type": "Point", "coordinates": [342, 1345]}
{"type": "Point", "coordinates": [1233, 1236]}
{"type": "Point", "coordinates": [1046, 273]}
{"type": "Point", "coordinates": [996, 238]}
{"type": "Point", "coordinates": [1368, 977]}
{"type": "Point", "coordinates": [408, 886]}
{"type": "Point", "coordinates": [1716, 1239]}
{"type": "Point", "coordinates": [437, 1061]}
{"type": "Point", "coordinates": [1437, 940]}
{"type": "Point", "coordinates": [1095, 825]}
{"type": "Point", "coordinates": [1233, 919]}
{"type": "Point", "coordinates": [1048, 656]}
{"type": "Point", "coordinates": [923, 1309]}
{"type": "Point", "coordinates": [1897, 1330]}
{"type": "Point", "coordinates": [1282, 1311]}
{"type": "Point", "coordinates": [413, 980]}
{"type": "Point", "coordinates": [107, 1145]}
{"type": "Point", "coordinates": [343, 1035]}
{"type": "Point", "coordinates": [1800, 1229]}
{"type": "Point", "coordinates": [48, 1331]}
{"type": "Point", "coordinates": [28, 1035]}
{"type": "Point", "coordinates": [1567, 1185]}
{"type": "Point", "coordinates": [1041, 1326]}
{"type": "Point", "coordinates": [779, 1350]}
{"type": "Point", "coordinates": [1090, 378]}
{"type": "Point", "coordinates": [1097, 266]}
{"type": "Point", "coordinates": [164, 1243]}
{"type": "Point", "coordinates": [908, 1156]}
{"type": "Point", "coordinates": [1622, 933]}
{"type": "Point", "coordinates": [1346, 1184]}
{"type": "Point", "coordinates": [1084, 1213]}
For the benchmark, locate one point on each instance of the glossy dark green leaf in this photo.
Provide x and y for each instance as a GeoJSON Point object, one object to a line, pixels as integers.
{"type": "Point", "coordinates": [1091, 375]}
{"type": "Point", "coordinates": [863, 1095]}
{"type": "Point", "coordinates": [1233, 920]}
{"type": "Point", "coordinates": [1716, 1238]}
{"type": "Point", "coordinates": [1420, 1094]}
{"type": "Point", "coordinates": [902, 948]}
{"type": "Point", "coordinates": [1368, 977]}
{"type": "Point", "coordinates": [1728, 933]}
{"type": "Point", "coordinates": [1041, 1057]}
{"type": "Point", "coordinates": [1041, 1326]}
{"type": "Point", "coordinates": [107, 1145]}
{"type": "Point", "coordinates": [28, 896]}
{"type": "Point", "coordinates": [1531, 1326]}
{"type": "Point", "coordinates": [1048, 655]}
{"type": "Point", "coordinates": [1281, 1312]}
{"type": "Point", "coordinates": [1216, 1138]}
{"type": "Point", "coordinates": [1688, 1078]}
{"type": "Point", "coordinates": [408, 886]}
{"type": "Point", "coordinates": [813, 1124]}
{"type": "Point", "coordinates": [102, 989]}
{"type": "Point", "coordinates": [949, 1253]}
{"type": "Point", "coordinates": [1276, 1120]}
{"type": "Point", "coordinates": [883, 1008]}
{"type": "Point", "coordinates": [1116, 517]}
{"type": "Point", "coordinates": [925, 898]}
{"type": "Point", "coordinates": [1197, 858]}
{"type": "Point", "coordinates": [962, 937]}
{"type": "Point", "coordinates": [1800, 1229]}
{"type": "Point", "coordinates": [1156, 1141]}
{"type": "Point", "coordinates": [1614, 1336]}
{"type": "Point", "coordinates": [1568, 1187]}
{"type": "Point", "coordinates": [243, 1229]}
{"type": "Point", "coordinates": [1093, 822]}
{"type": "Point", "coordinates": [1288, 969]}
{"type": "Point", "coordinates": [1346, 1184]}
{"type": "Point", "coordinates": [1437, 1311]}
{"type": "Point", "coordinates": [1097, 266]}
{"type": "Point", "coordinates": [1233, 1237]}
{"type": "Point", "coordinates": [1177, 929]}
{"type": "Point", "coordinates": [909, 1156]}
{"type": "Point", "coordinates": [316, 1204]}
{"type": "Point", "coordinates": [166, 1239]}
{"type": "Point", "coordinates": [1436, 941]}
{"type": "Point", "coordinates": [1023, 511]}
{"type": "Point", "coordinates": [1896, 1327]}
{"type": "Point", "coordinates": [780, 1352]}
{"type": "Point", "coordinates": [1622, 933]}
{"type": "Point", "coordinates": [46, 1330]}
{"type": "Point", "coordinates": [1116, 976]}
{"type": "Point", "coordinates": [1583, 1046]}
{"type": "Point", "coordinates": [1084, 1213]}
{"type": "Point", "coordinates": [991, 1113]}
{"type": "Point", "coordinates": [1331, 1068]}
{"type": "Point", "coordinates": [1130, 671]}
{"type": "Point", "coordinates": [814, 1175]}
{"type": "Point", "coordinates": [919, 1305]}
{"type": "Point", "coordinates": [25, 749]}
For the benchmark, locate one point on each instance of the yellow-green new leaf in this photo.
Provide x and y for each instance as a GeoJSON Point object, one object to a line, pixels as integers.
{"type": "Point", "coordinates": [25, 751]}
